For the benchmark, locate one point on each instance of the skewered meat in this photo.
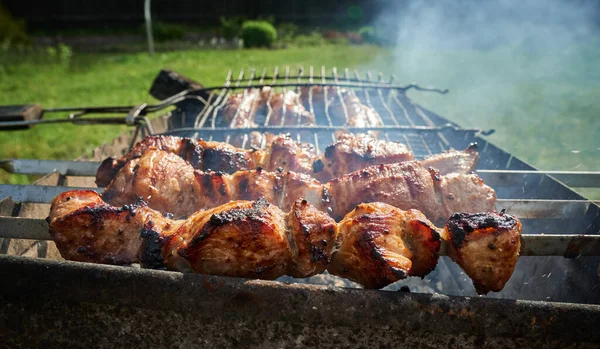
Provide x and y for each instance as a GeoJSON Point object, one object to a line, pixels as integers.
{"type": "Point", "coordinates": [408, 185]}
{"type": "Point", "coordinates": [359, 115]}
{"type": "Point", "coordinates": [240, 111]}
{"type": "Point", "coordinates": [246, 239]}
{"type": "Point", "coordinates": [377, 244]}
{"type": "Point", "coordinates": [288, 110]}
{"type": "Point", "coordinates": [454, 161]}
{"type": "Point", "coordinates": [486, 246]}
{"type": "Point", "coordinates": [344, 106]}
{"type": "Point", "coordinates": [381, 244]}
{"type": "Point", "coordinates": [215, 156]}
{"type": "Point", "coordinates": [355, 152]}
{"type": "Point", "coordinates": [167, 182]}
{"type": "Point", "coordinates": [349, 153]}
{"type": "Point", "coordinates": [286, 154]}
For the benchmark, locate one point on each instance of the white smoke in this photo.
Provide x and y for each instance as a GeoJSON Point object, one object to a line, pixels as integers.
{"type": "Point", "coordinates": [528, 68]}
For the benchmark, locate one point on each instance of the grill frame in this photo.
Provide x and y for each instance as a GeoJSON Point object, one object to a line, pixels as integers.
{"type": "Point", "coordinates": [580, 316]}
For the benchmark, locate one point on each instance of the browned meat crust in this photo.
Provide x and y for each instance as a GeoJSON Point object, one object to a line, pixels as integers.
{"type": "Point", "coordinates": [486, 246]}
{"type": "Point", "coordinates": [381, 244]}
{"type": "Point", "coordinates": [454, 161]}
{"type": "Point", "coordinates": [377, 244]}
{"type": "Point", "coordinates": [354, 152]}
{"type": "Point", "coordinates": [408, 185]}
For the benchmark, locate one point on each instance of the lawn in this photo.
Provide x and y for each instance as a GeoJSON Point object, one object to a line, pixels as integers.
{"type": "Point", "coordinates": [544, 109]}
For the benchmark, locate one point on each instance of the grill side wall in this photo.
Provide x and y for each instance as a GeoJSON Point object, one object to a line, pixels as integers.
{"type": "Point", "coordinates": [58, 304]}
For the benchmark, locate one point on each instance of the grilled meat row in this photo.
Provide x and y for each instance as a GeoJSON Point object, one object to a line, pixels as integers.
{"type": "Point", "coordinates": [349, 153]}
{"type": "Point", "coordinates": [375, 244]}
{"type": "Point", "coordinates": [170, 184]}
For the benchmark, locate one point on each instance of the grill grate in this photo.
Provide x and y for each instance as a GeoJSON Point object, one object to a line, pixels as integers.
{"type": "Point", "coordinates": [403, 120]}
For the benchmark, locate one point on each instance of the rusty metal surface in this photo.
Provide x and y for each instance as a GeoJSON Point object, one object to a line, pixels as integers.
{"type": "Point", "coordinates": [54, 304]}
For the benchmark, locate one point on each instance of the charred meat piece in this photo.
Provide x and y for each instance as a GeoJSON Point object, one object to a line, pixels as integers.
{"type": "Point", "coordinates": [453, 161]}
{"type": "Point", "coordinates": [344, 107]}
{"type": "Point", "coordinates": [381, 244]}
{"type": "Point", "coordinates": [186, 148]}
{"type": "Point", "coordinates": [354, 152]}
{"type": "Point", "coordinates": [240, 109]}
{"type": "Point", "coordinates": [223, 157]}
{"type": "Point", "coordinates": [408, 185]}
{"type": "Point", "coordinates": [87, 229]}
{"type": "Point", "coordinates": [240, 238]}
{"type": "Point", "coordinates": [287, 154]}
{"type": "Point", "coordinates": [312, 239]}
{"type": "Point", "coordinates": [245, 239]}
{"type": "Point", "coordinates": [486, 246]}
{"type": "Point", "coordinates": [287, 109]}
{"type": "Point", "coordinates": [169, 184]}
{"type": "Point", "coordinates": [359, 115]}
{"type": "Point", "coordinates": [215, 156]}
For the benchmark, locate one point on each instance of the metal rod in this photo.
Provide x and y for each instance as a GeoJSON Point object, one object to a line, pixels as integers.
{"type": "Point", "coordinates": [527, 209]}
{"type": "Point", "coordinates": [532, 209]}
{"type": "Point", "coordinates": [40, 194]}
{"type": "Point", "coordinates": [578, 179]}
{"type": "Point", "coordinates": [296, 128]}
{"type": "Point", "coordinates": [43, 167]}
{"type": "Point", "coordinates": [533, 245]}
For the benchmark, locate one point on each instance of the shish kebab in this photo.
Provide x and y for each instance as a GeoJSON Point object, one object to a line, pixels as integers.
{"type": "Point", "coordinates": [348, 154]}
{"type": "Point", "coordinates": [168, 183]}
{"type": "Point", "coordinates": [290, 108]}
{"type": "Point", "coordinates": [375, 244]}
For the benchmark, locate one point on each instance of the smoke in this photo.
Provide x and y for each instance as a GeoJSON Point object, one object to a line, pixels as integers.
{"type": "Point", "coordinates": [528, 68]}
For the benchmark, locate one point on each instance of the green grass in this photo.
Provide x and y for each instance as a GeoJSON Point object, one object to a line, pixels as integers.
{"type": "Point", "coordinates": [544, 110]}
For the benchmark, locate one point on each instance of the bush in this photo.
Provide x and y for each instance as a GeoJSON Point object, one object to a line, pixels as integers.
{"type": "Point", "coordinates": [258, 34]}
{"type": "Point", "coordinates": [11, 31]}
{"type": "Point", "coordinates": [167, 31]}
{"type": "Point", "coordinates": [231, 26]}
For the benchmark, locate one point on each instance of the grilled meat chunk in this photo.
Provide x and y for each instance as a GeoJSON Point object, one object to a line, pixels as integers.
{"type": "Point", "coordinates": [381, 244]}
{"type": "Point", "coordinates": [240, 238]}
{"type": "Point", "coordinates": [186, 148]}
{"type": "Point", "coordinates": [354, 152]}
{"type": "Point", "coordinates": [169, 184]}
{"type": "Point", "coordinates": [359, 115]}
{"type": "Point", "coordinates": [240, 109]}
{"type": "Point", "coordinates": [215, 156]}
{"type": "Point", "coordinates": [287, 109]}
{"type": "Point", "coordinates": [312, 239]}
{"type": "Point", "coordinates": [87, 229]}
{"type": "Point", "coordinates": [287, 154]}
{"type": "Point", "coordinates": [248, 239]}
{"type": "Point", "coordinates": [344, 107]}
{"type": "Point", "coordinates": [453, 161]}
{"type": "Point", "coordinates": [408, 185]}
{"type": "Point", "coordinates": [486, 246]}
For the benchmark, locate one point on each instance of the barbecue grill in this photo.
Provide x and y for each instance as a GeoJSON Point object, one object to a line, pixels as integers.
{"type": "Point", "coordinates": [555, 286]}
